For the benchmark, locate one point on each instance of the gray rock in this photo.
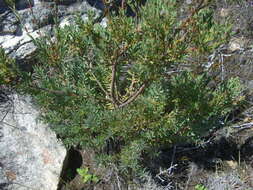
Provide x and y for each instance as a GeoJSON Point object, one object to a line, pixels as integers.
{"type": "Point", "coordinates": [32, 19]}
{"type": "Point", "coordinates": [64, 2]}
{"type": "Point", "coordinates": [18, 4]}
{"type": "Point", "coordinates": [23, 4]}
{"type": "Point", "coordinates": [3, 6]}
{"type": "Point", "coordinates": [31, 157]}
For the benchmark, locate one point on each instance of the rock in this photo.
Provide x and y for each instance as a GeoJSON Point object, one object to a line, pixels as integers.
{"type": "Point", "coordinates": [96, 3]}
{"type": "Point", "coordinates": [231, 164]}
{"type": "Point", "coordinates": [237, 43]}
{"type": "Point", "coordinates": [33, 20]}
{"type": "Point", "coordinates": [31, 157]}
{"type": "Point", "coordinates": [23, 4]}
{"type": "Point", "coordinates": [188, 1]}
{"type": "Point", "coordinates": [19, 5]}
{"type": "Point", "coordinates": [3, 6]}
{"type": "Point", "coordinates": [63, 2]}
{"type": "Point", "coordinates": [224, 12]}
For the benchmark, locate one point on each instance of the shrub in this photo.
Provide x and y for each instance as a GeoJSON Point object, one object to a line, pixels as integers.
{"type": "Point", "coordinates": [195, 108]}
{"type": "Point", "coordinates": [86, 176]}
{"type": "Point", "coordinates": [111, 88]}
{"type": "Point", "coordinates": [7, 69]}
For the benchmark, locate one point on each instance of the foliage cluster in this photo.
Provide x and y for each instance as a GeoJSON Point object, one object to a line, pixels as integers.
{"type": "Point", "coordinates": [7, 69]}
{"type": "Point", "coordinates": [120, 89]}
{"type": "Point", "coordinates": [86, 176]}
{"type": "Point", "coordinates": [200, 187]}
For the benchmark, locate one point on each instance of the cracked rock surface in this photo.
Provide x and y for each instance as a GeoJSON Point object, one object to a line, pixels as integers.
{"type": "Point", "coordinates": [31, 157]}
{"type": "Point", "coordinates": [33, 18]}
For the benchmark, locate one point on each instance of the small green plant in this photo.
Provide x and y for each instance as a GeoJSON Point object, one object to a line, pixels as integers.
{"type": "Point", "coordinates": [200, 187]}
{"type": "Point", "coordinates": [86, 176]}
{"type": "Point", "coordinates": [7, 68]}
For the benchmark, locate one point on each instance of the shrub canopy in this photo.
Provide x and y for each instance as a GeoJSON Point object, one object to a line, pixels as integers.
{"type": "Point", "coordinates": [120, 89]}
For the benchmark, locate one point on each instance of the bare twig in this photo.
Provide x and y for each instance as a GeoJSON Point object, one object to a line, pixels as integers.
{"type": "Point", "coordinates": [100, 85]}
{"type": "Point", "coordinates": [117, 176]}
{"type": "Point", "coordinates": [134, 96]}
{"type": "Point", "coordinates": [9, 125]}
{"type": "Point", "coordinates": [112, 86]}
{"type": "Point", "coordinates": [173, 158]}
{"type": "Point", "coordinates": [244, 126]}
{"type": "Point", "coordinates": [4, 116]}
{"type": "Point", "coordinates": [167, 172]}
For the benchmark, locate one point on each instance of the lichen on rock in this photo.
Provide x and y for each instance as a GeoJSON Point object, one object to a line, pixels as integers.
{"type": "Point", "coordinates": [31, 157]}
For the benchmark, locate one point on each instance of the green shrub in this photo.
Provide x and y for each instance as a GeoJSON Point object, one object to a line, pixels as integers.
{"type": "Point", "coordinates": [111, 88]}
{"type": "Point", "coordinates": [86, 176]}
{"type": "Point", "coordinates": [7, 69]}
{"type": "Point", "coordinates": [200, 187]}
{"type": "Point", "coordinates": [195, 108]}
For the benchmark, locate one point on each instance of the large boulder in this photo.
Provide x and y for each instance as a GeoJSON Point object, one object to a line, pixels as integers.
{"type": "Point", "coordinates": [31, 157]}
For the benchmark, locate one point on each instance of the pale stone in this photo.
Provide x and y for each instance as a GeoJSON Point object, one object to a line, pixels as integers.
{"type": "Point", "coordinates": [237, 43]}
{"type": "Point", "coordinates": [231, 164]}
{"type": "Point", "coordinates": [224, 12]}
{"type": "Point", "coordinates": [37, 19]}
{"type": "Point", "coordinates": [31, 157]}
